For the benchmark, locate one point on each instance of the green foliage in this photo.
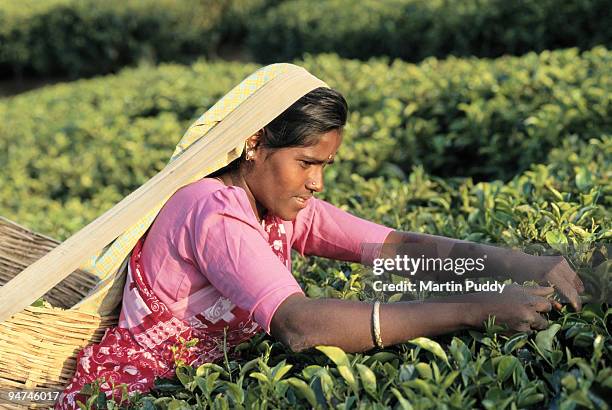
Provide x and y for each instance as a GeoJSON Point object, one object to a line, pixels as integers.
{"type": "Point", "coordinates": [468, 117]}
{"type": "Point", "coordinates": [459, 371]}
{"type": "Point", "coordinates": [87, 37]}
{"type": "Point", "coordinates": [238, 17]}
{"type": "Point", "coordinates": [71, 151]}
{"type": "Point", "coordinates": [415, 29]}
{"type": "Point", "coordinates": [84, 37]}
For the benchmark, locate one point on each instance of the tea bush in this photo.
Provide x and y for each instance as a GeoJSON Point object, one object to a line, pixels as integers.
{"type": "Point", "coordinates": [415, 29]}
{"type": "Point", "coordinates": [469, 117]}
{"type": "Point", "coordinates": [465, 370]}
{"type": "Point", "coordinates": [87, 37]}
{"type": "Point", "coordinates": [71, 151]}
{"type": "Point", "coordinates": [84, 37]}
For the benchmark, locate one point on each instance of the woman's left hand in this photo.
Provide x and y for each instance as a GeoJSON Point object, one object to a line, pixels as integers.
{"type": "Point", "coordinates": [559, 274]}
{"type": "Point", "coordinates": [516, 264]}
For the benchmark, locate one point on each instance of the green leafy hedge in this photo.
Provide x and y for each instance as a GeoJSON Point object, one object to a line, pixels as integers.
{"type": "Point", "coordinates": [87, 37]}
{"type": "Point", "coordinates": [415, 29]}
{"type": "Point", "coordinates": [70, 151]}
{"type": "Point", "coordinates": [469, 117]}
{"type": "Point", "coordinates": [461, 371]}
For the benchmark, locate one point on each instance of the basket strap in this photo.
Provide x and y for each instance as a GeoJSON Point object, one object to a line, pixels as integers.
{"type": "Point", "coordinates": [226, 138]}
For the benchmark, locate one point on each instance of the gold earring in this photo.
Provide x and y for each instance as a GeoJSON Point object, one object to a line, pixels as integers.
{"type": "Point", "coordinates": [249, 155]}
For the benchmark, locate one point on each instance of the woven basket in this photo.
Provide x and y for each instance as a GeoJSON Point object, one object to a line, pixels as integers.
{"type": "Point", "coordinates": [38, 346]}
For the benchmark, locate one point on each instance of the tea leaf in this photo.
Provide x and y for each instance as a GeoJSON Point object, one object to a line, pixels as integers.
{"type": "Point", "coordinates": [424, 370]}
{"type": "Point", "coordinates": [405, 404]}
{"type": "Point", "coordinates": [178, 405]}
{"type": "Point", "coordinates": [336, 355]}
{"type": "Point", "coordinates": [505, 367]}
{"type": "Point", "coordinates": [544, 338]}
{"type": "Point", "coordinates": [278, 373]}
{"type": "Point", "coordinates": [368, 378]}
{"type": "Point", "coordinates": [259, 376]}
{"type": "Point", "coordinates": [304, 390]}
{"type": "Point", "coordinates": [348, 375]}
{"type": "Point", "coordinates": [430, 346]}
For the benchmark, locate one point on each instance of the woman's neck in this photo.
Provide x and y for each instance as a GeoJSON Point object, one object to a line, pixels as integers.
{"type": "Point", "coordinates": [236, 178]}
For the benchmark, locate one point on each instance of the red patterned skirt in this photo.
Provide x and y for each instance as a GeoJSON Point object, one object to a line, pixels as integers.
{"type": "Point", "coordinates": [140, 348]}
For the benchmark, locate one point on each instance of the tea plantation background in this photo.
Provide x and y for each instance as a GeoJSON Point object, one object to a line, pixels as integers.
{"type": "Point", "coordinates": [481, 120]}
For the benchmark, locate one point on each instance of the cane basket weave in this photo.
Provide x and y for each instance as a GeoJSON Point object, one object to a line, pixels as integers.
{"type": "Point", "coordinates": [38, 346]}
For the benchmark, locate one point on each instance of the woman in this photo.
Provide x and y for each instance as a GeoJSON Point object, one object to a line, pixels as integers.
{"type": "Point", "coordinates": [216, 265]}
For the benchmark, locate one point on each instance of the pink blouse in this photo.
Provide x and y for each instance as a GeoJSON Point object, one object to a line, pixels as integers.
{"type": "Point", "coordinates": [206, 242]}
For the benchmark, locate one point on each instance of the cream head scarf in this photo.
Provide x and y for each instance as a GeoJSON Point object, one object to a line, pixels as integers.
{"type": "Point", "coordinates": [109, 264]}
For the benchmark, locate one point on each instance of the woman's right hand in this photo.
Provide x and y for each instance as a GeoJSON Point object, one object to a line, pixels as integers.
{"type": "Point", "coordinates": [302, 323]}
{"type": "Point", "coordinates": [517, 307]}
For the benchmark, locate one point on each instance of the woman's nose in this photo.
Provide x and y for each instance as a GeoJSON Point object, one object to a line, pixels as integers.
{"type": "Point", "coordinates": [315, 182]}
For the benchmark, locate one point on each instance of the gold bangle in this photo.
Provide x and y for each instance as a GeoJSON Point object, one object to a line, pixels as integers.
{"type": "Point", "coordinates": [376, 325]}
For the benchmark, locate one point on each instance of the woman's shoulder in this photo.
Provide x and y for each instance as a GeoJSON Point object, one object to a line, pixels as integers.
{"type": "Point", "coordinates": [211, 196]}
{"type": "Point", "coordinates": [194, 193]}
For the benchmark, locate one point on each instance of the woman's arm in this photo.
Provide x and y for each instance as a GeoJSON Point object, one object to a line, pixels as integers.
{"type": "Point", "coordinates": [499, 261]}
{"type": "Point", "coordinates": [302, 323]}
{"type": "Point", "coordinates": [325, 230]}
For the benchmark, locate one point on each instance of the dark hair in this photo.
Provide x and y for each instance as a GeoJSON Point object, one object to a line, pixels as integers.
{"type": "Point", "coordinates": [317, 112]}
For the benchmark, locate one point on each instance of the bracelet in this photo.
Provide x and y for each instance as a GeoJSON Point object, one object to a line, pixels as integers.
{"type": "Point", "coordinates": [376, 325]}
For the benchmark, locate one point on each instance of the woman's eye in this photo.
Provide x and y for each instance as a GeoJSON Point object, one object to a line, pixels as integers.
{"type": "Point", "coordinates": [305, 164]}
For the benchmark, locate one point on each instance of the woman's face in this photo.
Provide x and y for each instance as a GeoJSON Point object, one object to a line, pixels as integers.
{"type": "Point", "coordinates": [281, 180]}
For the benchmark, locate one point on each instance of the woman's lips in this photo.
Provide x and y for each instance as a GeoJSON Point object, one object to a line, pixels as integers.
{"type": "Point", "coordinates": [302, 201]}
